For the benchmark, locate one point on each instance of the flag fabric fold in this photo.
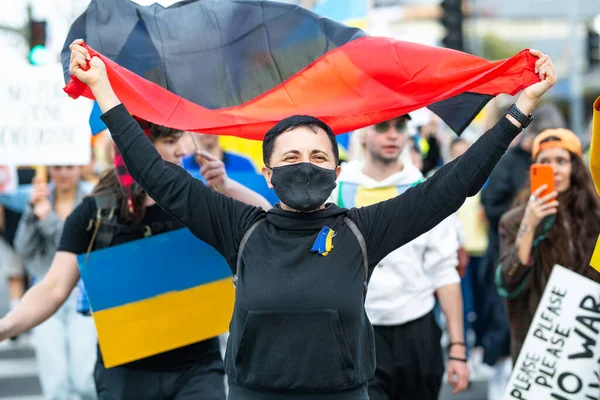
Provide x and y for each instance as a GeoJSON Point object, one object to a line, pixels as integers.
{"type": "Point", "coordinates": [238, 67]}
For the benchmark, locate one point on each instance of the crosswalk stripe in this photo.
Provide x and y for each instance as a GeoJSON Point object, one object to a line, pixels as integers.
{"type": "Point", "coordinates": [14, 369]}
{"type": "Point", "coordinates": [18, 371]}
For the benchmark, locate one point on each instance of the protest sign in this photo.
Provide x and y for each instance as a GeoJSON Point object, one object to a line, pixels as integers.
{"type": "Point", "coordinates": [39, 123]}
{"type": "Point", "coordinates": [561, 354]}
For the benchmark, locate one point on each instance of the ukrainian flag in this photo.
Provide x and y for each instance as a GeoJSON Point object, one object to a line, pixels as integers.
{"type": "Point", "coordinates": [157, 294]}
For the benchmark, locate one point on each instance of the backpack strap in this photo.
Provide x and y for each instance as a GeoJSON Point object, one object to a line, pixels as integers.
{"type": "Point", "coordinates": [363, 249]}
{"type": "Point", "coordinates": [242, 246]}
{"type": "Point", "coordinates": [106, 207]}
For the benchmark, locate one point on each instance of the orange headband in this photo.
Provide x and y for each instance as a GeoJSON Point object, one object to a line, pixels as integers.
{"type": "Point", "coordinates": [566, 140]}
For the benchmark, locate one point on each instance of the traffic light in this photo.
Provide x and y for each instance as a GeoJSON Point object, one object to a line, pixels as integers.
{"type": "Point", "coordinates": [593, 48]}
{"type": "Point", "coordinates": [452, 19]}
{"type": "Point", "coordinates": [38, 53]}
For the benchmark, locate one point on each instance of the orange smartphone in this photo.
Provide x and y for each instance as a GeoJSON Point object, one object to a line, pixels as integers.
{"type": "Point", "coordinates": [542, 174]}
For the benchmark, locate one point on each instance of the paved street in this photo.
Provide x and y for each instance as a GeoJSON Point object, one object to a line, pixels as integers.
{"type": "Point", "coordinates": [477, 391]}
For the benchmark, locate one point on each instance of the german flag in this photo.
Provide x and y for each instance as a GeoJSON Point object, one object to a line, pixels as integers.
{"type": "Point", "coordinates": [237, 67]}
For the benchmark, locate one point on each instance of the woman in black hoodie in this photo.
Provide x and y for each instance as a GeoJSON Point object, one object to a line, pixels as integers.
{"type": "Point", "coordinates": [299, 328]}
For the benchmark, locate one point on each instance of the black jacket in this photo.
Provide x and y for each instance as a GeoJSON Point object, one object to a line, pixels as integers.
{"type": "Point", "coordinates": [299, 326]}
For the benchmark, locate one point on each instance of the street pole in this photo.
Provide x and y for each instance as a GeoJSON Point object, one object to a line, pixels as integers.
{"type": "Point", "coordinates": [575, 70]}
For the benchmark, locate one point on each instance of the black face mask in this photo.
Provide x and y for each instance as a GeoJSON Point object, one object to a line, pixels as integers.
{"type": "Point", "coordinates": [303, 186]}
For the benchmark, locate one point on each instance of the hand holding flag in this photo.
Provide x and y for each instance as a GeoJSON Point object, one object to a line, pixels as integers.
{"type": "Point", "coordinates": [533, 93]}
{"type": "Point", "coordinates": [83, 67]}
{"type": "Point", "coordinates": [92, 72]}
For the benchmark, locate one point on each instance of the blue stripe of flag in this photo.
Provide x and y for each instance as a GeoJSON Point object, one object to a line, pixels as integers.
{"type": "Point", "coordinates": [145, 268]}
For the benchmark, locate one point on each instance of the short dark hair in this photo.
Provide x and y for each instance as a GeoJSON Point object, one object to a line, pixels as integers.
{"type": "Point", "coordinates": [158, 131]}
{"type": "Point", "coordinates": [154, 131]}
{"type": "Point", "coordinates": [292, 122]}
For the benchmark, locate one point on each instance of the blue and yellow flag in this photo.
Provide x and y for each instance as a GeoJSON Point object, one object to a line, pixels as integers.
{"type": "Point", "coordinates": [157, 294]}
{"type": "Point", "coordinates": [595, 169]}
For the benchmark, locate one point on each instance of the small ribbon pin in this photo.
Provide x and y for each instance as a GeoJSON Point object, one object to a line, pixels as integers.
{"type": "Point", "coordinates": [324, 242]}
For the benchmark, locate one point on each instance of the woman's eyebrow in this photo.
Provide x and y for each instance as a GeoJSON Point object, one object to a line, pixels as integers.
{"type": "Point", "coordinates": [296, 152]}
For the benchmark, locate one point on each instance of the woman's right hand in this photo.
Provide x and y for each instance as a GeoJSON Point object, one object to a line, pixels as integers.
{"type": "Point", "coordinates": [539, 208]}
{"type": "Point", "coordinates": [79, 64]}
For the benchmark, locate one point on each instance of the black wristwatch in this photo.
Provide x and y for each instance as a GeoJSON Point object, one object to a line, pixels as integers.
{"type": "Point", "coordinates": [523, 119]}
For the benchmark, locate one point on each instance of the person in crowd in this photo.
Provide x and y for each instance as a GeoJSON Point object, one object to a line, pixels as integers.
{"type": "Point", "coordinates": [542, 231]}
{"type": "Point", "coordinates": [65, 343]}
{"type": "Point", "coordinates": [401, 296]}
{"type": "Point", "coordinates": [497, 197]}
{"type": "Point", "coordinates": [299, 327]}
{"type": "Point", "coordinates": [190, 372]}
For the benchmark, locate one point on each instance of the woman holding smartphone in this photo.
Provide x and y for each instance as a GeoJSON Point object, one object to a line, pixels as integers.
{"type": "Point", "coordinates": [544, 230]}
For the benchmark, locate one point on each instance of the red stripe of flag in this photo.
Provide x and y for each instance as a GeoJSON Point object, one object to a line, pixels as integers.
{"type": "Point", "coordinates": [365, 81]}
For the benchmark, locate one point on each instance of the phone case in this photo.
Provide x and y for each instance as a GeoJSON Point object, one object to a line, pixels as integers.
{"type": "Point", "coordinates": [542, 174]}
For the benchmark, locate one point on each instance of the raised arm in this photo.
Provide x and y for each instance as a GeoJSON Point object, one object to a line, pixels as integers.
{"type": "Point", "coordinates": [389, 225]}
{"type": "Point", "coordinates": [213, 217]}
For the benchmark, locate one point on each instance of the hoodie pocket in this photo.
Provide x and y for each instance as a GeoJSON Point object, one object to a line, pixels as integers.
{"type": "Point", "coordinates": [304, 350]}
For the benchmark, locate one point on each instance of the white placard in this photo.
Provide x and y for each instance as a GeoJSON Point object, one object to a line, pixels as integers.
{"type": "Point", "coordinates": [8, 179]}
{"type": "Point", "coordinates": [560, 358]}
{"type": "Point", "coordinates": [39, 123]}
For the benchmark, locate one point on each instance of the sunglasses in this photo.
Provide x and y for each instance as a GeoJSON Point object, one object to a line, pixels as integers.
{"type": "Point", "coordinates": [383, 127]}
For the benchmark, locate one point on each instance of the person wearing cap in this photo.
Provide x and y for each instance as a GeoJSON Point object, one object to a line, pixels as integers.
{"type": "Point", "coordinates": [542, 231]}
{"type": "Point", "coordinates": [497, 197]}
{"type": "Point", "coordinates": [401, 299]}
